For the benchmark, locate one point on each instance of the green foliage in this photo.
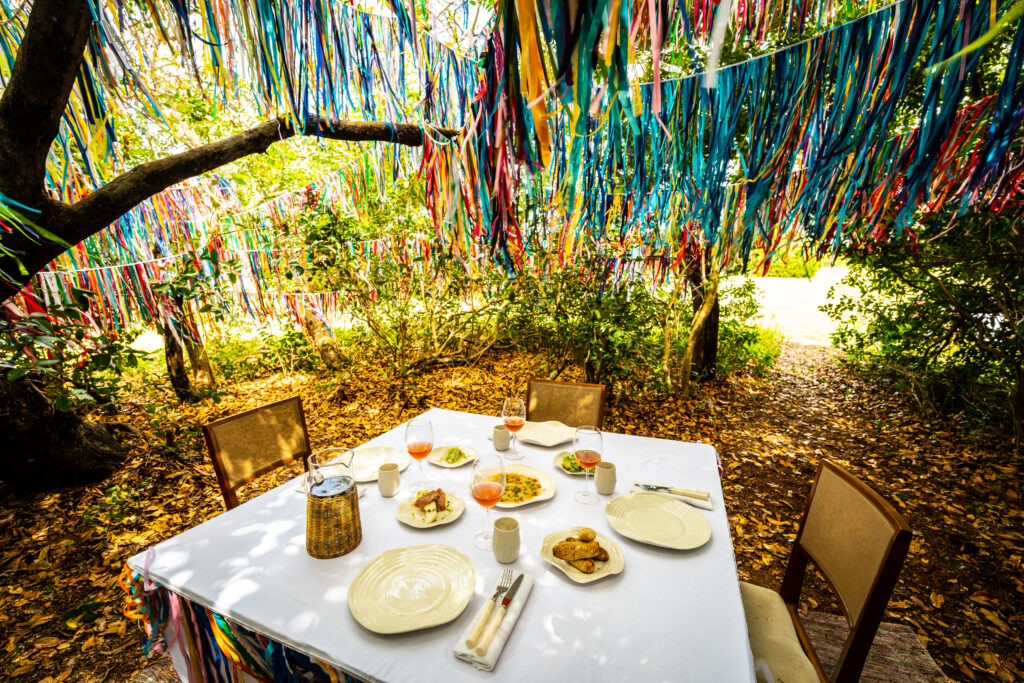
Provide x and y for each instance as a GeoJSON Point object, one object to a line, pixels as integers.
{"type": "Point", "coordinates": [287, 350]}
{"type": "Point", "coordinates": [741, 343]}
{"type": "Point", "coordinates": [941, 312]}
{"type": "Point", "coordinates": [573, 316]}
{"type": "Point", "coordinates": [77, 364]}
{"type": "Point", "coordinates": [791, 263]}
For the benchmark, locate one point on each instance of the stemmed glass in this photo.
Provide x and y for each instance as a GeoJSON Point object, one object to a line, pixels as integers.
{"type": "Point", "coordinates": [513, 412]}
{"type": "Point", "coordinates": [419, 441]}
{"type": "Point", "coordinates": [587, 448]}
{"type": "Point", "coordinates": [487, 485]}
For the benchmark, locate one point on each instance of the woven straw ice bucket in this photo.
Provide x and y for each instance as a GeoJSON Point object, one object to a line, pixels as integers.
{"type": "Point", "coordinates": [332, 504]}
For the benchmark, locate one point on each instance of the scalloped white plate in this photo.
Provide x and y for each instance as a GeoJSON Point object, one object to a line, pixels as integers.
{"type": "Point", "coordinates": [406, 589]}
{"type": "Point", "coordinates": [435, 456]}
{"type": "Point", "coordinates": [613, 565]}
{"type": "Point", "coordinates": [547, 483]}
{"type": "Point", "coordinates": [405, 512]}
{"type": "Point", "coordinates": [368, 459]}
{"type": "Point", "coordinates": [659, 520]}
{"type": "Point", "coordinates": [557, 462]}
{"type": "Point", "coordinates": [550, 433]}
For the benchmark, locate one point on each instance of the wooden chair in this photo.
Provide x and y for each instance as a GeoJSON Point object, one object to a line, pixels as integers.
{"type": "Point", "coordinates": [858, 542]}
{"type": "Point", "coordinates": [252, 443]}
{"type": "Point", "coordinates": [570, 403]}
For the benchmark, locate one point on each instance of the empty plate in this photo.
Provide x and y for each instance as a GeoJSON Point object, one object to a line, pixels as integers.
{"type": "Point", "coordinates": [658, 520]}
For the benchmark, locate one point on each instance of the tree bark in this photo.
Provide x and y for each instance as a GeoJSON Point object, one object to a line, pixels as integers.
{"type": "Point", "coordinates": [202, 370]}
{"type": "Point", "coordinates": [324, 341]}
{"type": "Point", "coordinates": [1017, 405]}
{"type": "Point", "coordinates": [705, 353]}
{"type": "Point", "coordinates": [710, 297]}
{"type": "Point", "coordinates": [176, 370]}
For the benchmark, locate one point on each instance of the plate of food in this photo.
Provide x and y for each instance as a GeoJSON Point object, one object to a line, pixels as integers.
{"type": "Point", "coordinates": [430, 509]}
{"type": "Point", "coordinates": [370, 458]}
{"type": "Point", "coordinates": [451, 456]}
{"type": "Point", "coordinates": [550, 433]}
{"type": "Point", "coordinates": [524, 485]}
{"type": "Point", "coordinates": [406, 589]}
{"type": "Point", "coordinates": [566, 462]}
{"type": "Point", "coordinates": [582, 554]}
{"type": "Point", "coordinates": [659, 520]}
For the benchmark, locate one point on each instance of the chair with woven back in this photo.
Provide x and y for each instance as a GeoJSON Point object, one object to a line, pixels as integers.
{"type": "Point", "coordinates": [571, 403]}
{"type": "Point", "coordinates": [858, 542]}
{"type": "Point", "coordinates": [250, 444]}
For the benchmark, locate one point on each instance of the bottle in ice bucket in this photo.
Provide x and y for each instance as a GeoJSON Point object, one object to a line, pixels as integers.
{"type": "Point", "coordinates": [332, 504]}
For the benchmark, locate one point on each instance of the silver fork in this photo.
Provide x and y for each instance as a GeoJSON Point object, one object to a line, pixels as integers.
{"type": "Point", "coordinates": [504, 583]}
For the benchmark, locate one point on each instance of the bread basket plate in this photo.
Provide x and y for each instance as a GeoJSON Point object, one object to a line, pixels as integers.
{"type": "Point", "coordinates": [614, 564]}
{"type": "Point", "coordinates": [411, 588]}
{"type": "Point", "coordinates": [658, 520]}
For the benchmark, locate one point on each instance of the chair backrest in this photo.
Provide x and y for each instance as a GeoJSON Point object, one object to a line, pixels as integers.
{"type": "Point", "coordinates": [858, 542]}
{"type": "Point", "coordinates": [249, 444]}
{"type": "Point", "coordinates": [570, 403]}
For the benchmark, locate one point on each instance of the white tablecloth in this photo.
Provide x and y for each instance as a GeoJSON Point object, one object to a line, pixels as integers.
{"type": "Point", "coordinates": [669, 616]}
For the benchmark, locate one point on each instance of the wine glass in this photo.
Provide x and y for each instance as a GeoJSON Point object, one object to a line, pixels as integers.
{"type": "Point", "coordinates": [487, 485]}
{"type": "Point", "coordinates": [419, 441]}
{"type": "Point", "coordinates": [587, 448]}
{"type": "Point", "coordinates": [513, 412]}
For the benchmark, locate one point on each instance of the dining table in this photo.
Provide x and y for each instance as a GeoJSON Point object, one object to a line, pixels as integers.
{"type": "Point", "coordinates": [669, 615]}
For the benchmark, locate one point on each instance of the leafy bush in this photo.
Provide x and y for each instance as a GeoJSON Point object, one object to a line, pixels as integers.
{"type": "Point", "coordinates": [942, 313]}
{"type": "Point", "coordinates": [741, 343]}
{"type": "Point", "coordinates": [789, 263]}
{"type": "Point", "coordinates": [288, 350]}
{"type": "Point", "coordinates": [76, 363]}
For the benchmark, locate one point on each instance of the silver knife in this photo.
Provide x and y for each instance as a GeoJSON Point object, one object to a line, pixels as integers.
{"type": "Point", "coordinates": [689, 493]}
{"type": "Point", "coordinates": [497, 618]}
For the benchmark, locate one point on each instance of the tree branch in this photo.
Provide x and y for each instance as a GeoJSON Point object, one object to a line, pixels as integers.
{"type": "Point", "coordinates": [32, 104]}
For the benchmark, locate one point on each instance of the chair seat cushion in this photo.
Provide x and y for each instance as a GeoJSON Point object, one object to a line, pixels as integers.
{"type": "Point", "coordinates": [773, 638]}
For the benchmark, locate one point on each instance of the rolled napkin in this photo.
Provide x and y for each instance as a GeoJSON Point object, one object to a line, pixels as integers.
{"type": "Point", "coordinates": [489, 659]}
{"type": "Point", "coordinates": [702, 503]}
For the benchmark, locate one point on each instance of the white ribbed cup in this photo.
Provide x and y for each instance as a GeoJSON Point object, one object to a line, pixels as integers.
{"type": "Point", "coordinates": [506, 539]}
{"type": "Point", "coordinates": [501, 437]}
{"type": "Point", "coordinates": [604, 478]}
{"type": "Point", "coordinates": [388, 479]}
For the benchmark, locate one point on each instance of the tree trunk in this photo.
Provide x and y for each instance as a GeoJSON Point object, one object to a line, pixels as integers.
{"type": "Point", "coordinates": [1017, 405]}
{"type": "Point", "coordinates": [43, 448]}
{"type": "Point", "coordinates": [324, 341]}
{"type": "Point", "coordinates": [705, 353]}
{"type": "Point", "coordinates": [710, 298]}
{"type": "Point", "coordinates": [202, 370]}
{"type": "Point", "coordinates": [176, 370]}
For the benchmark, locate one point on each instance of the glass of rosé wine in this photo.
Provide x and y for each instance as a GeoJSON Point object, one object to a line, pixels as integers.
{"type": "Point", "coordinates": [587, 448]}
{"type": "Point", "coordinates": [419, 441]}
{"type": "Point", "coordinates": [487, 486]}
{"type": "Point", "coordinates": [513, 413]}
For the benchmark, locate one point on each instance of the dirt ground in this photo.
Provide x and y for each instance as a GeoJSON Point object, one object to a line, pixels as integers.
{"type": "Point", "coordinates": [961, 589]}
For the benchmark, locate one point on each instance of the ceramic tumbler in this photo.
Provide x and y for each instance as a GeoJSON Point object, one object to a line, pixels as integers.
{"type": "Point", "coordinates": [604, 478]}
{"type": "Point", "coordinates": [388, 479]}
{"type": "Point", "coordinates": [501, 437]}
{"type": "Point", "coordinates": [506, 539]}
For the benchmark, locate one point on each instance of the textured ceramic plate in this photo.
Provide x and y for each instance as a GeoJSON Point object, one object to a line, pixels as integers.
{"type": "Point", "coordinates": [406, 589]}
{"type": "Point", "coordinates": [658, 520]}
{"type": "Point", "coordinates": [406, 508]}
{"type": "Point", "coordinates": [550, 433]}
{"type": "Point", "coordinates": [558, 465]}
{"type": "Point", "coordinates": [436, 455]}
{"type": "Point", "coordinates": [613, 565]}
{"type": "Point", "coordinates": [367, 460]}
{"type": "Point", "coordinates": [547, 484]}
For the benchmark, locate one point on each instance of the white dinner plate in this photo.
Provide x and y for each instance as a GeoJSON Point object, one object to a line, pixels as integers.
{"type": "Point", "coordinates": [558, 465]}
{"type": "Point", "coordinates": [613, 565]}
{"type": "Point", "coordinates": [436, 455]}
{"type": "Point", "coordinates": [550, 433]}
{"type": "Point", "coordinates": [406, 589]}
{"type": "Point", "coordinates": [406, 508]}
{"type": "Point", "coordinates": [659, 520]}
{"type": "Point", "coordinates": [547, 483]}
{"type": "Point", "coordinates": [369, 459]}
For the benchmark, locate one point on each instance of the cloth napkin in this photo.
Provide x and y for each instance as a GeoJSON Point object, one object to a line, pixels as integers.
{"type": "Point", "coordinates": [695, 502]}
{"type": "Point", "coordinates": [488, 661]}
